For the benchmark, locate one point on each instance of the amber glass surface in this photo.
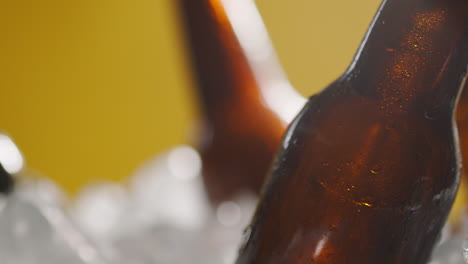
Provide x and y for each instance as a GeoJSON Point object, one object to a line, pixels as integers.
{"type": "Point", "coordinates": [239, 132]}
{"type": "Point", "coordinates": [6, 181]}
{"type": "Point", "coordinates": [462, 122]}
{"type": "Point", "coordinates": [369, 169]}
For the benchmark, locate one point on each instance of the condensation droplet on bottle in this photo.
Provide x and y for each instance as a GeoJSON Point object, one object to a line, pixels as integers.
{"type": "Point", "coordinates": [295, 141]}
{"type": "Point", "coordinates": [376, 169]}
{"type": "Point", "coordinates": [432, 114]}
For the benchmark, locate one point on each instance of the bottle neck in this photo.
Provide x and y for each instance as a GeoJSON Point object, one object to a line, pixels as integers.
{"type": "Point", "coordinates": [415, 52]}
{"type": "Point", "coordinates": [233, 58]}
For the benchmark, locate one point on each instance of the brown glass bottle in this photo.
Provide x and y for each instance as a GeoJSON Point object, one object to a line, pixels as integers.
{"type": "Point", "coordinates": [6, 181]}
{"type": "Point", "coordinates": [369, 169]}
{"type": "Point", "coordinates": [246, 99]}
{"type": "Point", "coordinates": [462, 123]}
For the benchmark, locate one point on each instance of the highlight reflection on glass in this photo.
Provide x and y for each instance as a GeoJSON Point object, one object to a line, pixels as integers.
{"type": "Point", "coordinates": [250, 30]}
{"type": "Point", "coordinates": [10, 156]}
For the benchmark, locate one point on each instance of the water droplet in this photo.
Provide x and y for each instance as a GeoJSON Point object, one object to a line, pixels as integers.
{"type": "Point", "coordinates": [376, 169]}
{"type": "Point", "coordinates": [432, 114]}
{"type": "Point", "coordinates": [412, 208]}
{"type": "Point", "coordinates": [363, 204]}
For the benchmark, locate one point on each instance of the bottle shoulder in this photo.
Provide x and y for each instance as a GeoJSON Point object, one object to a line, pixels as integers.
{"type": "Point", "coordinates": [347, 146]}
{"type": "Point", "coordinates": [341, 102]}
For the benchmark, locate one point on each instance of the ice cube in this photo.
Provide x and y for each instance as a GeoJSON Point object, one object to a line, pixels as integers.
{"type": "Point", "coordinates": [215, 242]}
{"type": "Point", "coordinates": [451, 247]}
{"type": "Point", "coordinates": [168, 190]}
{"type": "Point", "coordinates": [41, 189]}
{"type": "Point", "coordinates": [34, 232]}
{"type": "Point", "coordinates": [449, 252]}
{"type": "Point", "coordinates": [100, 209]}
{"type": "Point", "coordinates": [170, 220]}
{"type": "Point", "coordinates": [164, 217]}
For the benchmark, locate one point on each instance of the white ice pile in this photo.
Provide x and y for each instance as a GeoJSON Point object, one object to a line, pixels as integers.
{"type": "Point", "coordinates": [163, 217]}
{"type": "Point", "coordinates": [33, 229]}
{"type": "Point", "coordinates": [453, 247]}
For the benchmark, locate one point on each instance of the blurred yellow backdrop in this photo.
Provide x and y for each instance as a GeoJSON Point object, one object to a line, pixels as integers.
{"type": "Point", "coordinates": [91, 88]}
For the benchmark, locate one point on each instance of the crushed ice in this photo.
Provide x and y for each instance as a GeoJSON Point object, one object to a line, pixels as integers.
{"type": "Point", "coordinates": [161, 216]}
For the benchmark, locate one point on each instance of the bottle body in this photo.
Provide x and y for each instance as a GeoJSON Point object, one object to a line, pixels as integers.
{"type": "Point", "coordinates": [369, 170]}
{"type": "Point", "coordinates": [378, 188]}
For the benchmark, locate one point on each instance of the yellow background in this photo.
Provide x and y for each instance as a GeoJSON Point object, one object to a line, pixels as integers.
{"type": "Point", "coordinates": [91, 88]}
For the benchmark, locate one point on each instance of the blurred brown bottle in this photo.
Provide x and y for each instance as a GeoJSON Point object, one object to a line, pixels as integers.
{"type": "Point", "coordinates": [6, 181]}
{"type": "Point", "coordinates": [369, 169]}
{"type": "Point", "coordinates": [246, 99]}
